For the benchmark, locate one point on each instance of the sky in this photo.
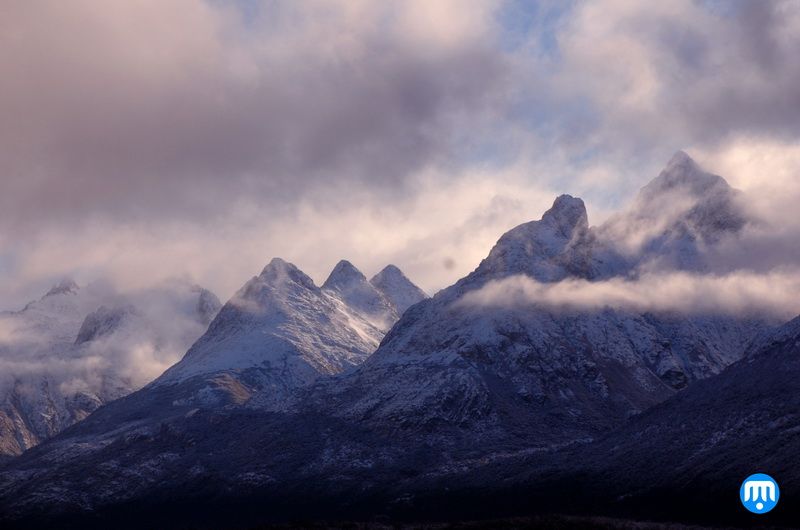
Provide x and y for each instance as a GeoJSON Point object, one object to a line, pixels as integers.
{"type": "Point", "coordinates": [147, 140]}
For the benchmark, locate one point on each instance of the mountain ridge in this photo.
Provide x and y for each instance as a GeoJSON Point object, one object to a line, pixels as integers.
{"type": "Point", "coordinates": [79, 331]}
{"type": "Point", "coordinates": [450, 390]}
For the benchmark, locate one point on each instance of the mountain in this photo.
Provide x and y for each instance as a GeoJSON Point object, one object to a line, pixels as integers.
{"type": "Point", "coordinates": [529, 373]}
{"type": "Point", "coordinates": [278, 332]}
{"type": "Point", "coordinates": [350, 286]}
{"type": "Point", "coordinates": [267, 409]}
{"type": "Point", "coordinates": [675, 218]}
{"type": "Point", "coordinates": [281, 332]}
{"type": "Point", "coordinates": [743, 421]}
{"type": "Point", "coordinates": [74, 349]}
{"type": "Point", "coordinates": [683, 459]}
{"type": "Point", "coordinates": [397, 288]}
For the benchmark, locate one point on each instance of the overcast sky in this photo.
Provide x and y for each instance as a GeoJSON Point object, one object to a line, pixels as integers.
{"type": "Point", "coordinates": [144, 140]}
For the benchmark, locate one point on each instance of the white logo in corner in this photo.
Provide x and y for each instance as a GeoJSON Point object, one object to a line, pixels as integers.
{"type": "Point", "coordinates": [759, 493]}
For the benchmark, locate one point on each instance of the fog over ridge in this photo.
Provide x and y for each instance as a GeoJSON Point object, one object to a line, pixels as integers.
{"type": "Point", "coordinates": [775, 293]}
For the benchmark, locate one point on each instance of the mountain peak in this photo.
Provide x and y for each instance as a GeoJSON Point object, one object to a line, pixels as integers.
{"type": "Point", "coordinates": [389, 271]}
{"type": "Point", "coordinates": [550, 249]}
{"type": "Point", "coordinates": [281, 330]}
{"type": "Point", "coordinates": [676, 216]}
{"type": "Point", "coordinates": [280, 271]}
{"type": "Point", "coordinates": [65, 286]}
{"type": "Point", "coordinates": [350, 286]}
{"type": "Point", "coordinates": [343, 274]}
{"type": "Point", "coordinates": [683, 174]}
{"type": "Point", "coordinates": [681, 158]}
{"type": "Point", "coordinates": [396, 286]}
{"type": "Point", "coordinates": [103, 322]}
{"type": "Point", "coordinates": [568, 213]}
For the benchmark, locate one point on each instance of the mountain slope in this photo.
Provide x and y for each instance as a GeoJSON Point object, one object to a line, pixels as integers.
{"type": "Point", "coordinates": [397, 288]}
{"type": "Point", "coordinates": [683, 459]}
{"type": "Point", "coordinates": [531, 373]}
{"type": "Point", "coordinates": [453, 388]}
{"type": "Point", "coordinates": [66, 354]}
{"type": "Point", "coordinates": [350, 286]}
{"type": "Point", "coordinates": [279, 332]}
{"type": "Point", "coordinates": [740, 422]}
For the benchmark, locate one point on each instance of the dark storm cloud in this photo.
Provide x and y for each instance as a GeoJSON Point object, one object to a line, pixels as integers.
{"type": "Point", "coordinates": [647, 75]}
{"type": "Point", "coordinates": [160, 109]}
{"type": "Point", "coordinates": [208, 139]}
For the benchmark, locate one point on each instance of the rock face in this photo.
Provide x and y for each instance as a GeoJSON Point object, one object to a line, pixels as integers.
{"type": "Point", "coordinates": [103, 322]}
{"type": "Point", "coordinates": [272, 399]}
{"type": "Point", "coordinates": [62, 355]}
{"type": "Point", "coordinates": [551, 249]}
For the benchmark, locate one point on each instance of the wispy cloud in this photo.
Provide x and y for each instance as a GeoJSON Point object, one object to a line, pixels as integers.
{"type": "Point", "coordinates": [776, 293]}
{"type": "Point", "coordinates": [157, 327]}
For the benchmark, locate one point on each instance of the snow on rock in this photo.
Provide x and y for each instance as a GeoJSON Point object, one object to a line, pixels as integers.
{"type": "Point", "coordinates": [400, 291]}
{"type": "Point", "coordinates": [555, 375]}
{"type": "Point", "coordinates": [351, 287]}
{"type": "Point", "coordinates": [281, 332]}
{"type": "Point", "coordinates": [676, 217]}
{"type": "Point", "coordinates": [64, 355]}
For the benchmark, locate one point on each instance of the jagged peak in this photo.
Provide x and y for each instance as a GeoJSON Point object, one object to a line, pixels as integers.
{"type": "Point", "coordinates": [682, 173]}
{"type": "Point", "coordinates": [389, 271]}
{"type": "Point", "coordinates": [103, 321]}
{"type": "Point", "coordinates": [65, 286]}
{"type": "Point", "coordinates": [396, 286]}
{"type": "Point", "coordinates": [681, 158]}
{"type": "Point", "coordinates": [344, 273]}
{"type": "Point", "coordinates": [281, 271]}
{"type": "Point", "coordinates": [568, 213]}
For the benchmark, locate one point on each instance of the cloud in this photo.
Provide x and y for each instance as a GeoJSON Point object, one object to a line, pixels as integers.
{"type": "Point", "coordinates": [156, 327]}
{"type": "Point", "coordinates": [743, 293]}
{"type": "Point", "coordinates": [680, 71]}
{"type": "Point", "coordinates": [443, 218]}
{"type": "Point", "coordinates": [171, 110]}
{"type": "Point", "coordinates": [208, 137]}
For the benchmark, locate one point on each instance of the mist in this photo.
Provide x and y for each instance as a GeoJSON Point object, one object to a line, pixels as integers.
{"type": "Point", "coordinates": [775, 294]}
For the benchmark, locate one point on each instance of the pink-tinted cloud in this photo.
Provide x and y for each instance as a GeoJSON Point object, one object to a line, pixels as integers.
{"type": "Point", "coordinates": [776, 293]}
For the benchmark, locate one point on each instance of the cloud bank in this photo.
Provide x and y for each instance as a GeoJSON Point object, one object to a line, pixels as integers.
{"type": "Point", "coordinates": [209, 137]}
{"type": "Point", "coordinates": [144, 332]}
{"type": "Point", "coordinates": [775, 294]}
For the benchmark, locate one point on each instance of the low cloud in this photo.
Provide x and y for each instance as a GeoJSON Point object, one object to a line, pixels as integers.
{"type": "Point", "coordinates": [156, 327]}
{"type": "Point", "coordinates": [743, 293]}
{"type": "Point", "coordinates": [181, 109]}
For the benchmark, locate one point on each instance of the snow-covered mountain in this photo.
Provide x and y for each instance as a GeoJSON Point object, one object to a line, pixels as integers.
{"type": "Point", "coordinates": [350, 286]}
{"type": "Point", "coordinates": [675, 219]}
{"type": "Point", "coordinates": [280, 332]}
{"type": "Point", "coordinates": [397, 288]}
{"type": "Point", "coordinates": [64, 355]}
{"type": "Point", "coordinates": [455, 385]}
{"type": "Point", "coordinates": [555, 374]}
{"type": "Point", "coordinates": [683, 459]}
